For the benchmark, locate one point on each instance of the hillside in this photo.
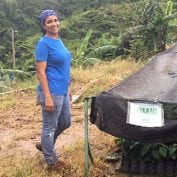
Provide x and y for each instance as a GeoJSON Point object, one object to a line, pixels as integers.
{"type": "Point", "coordinates": [93, 30]}
{"type": "Point", "coordinates": [21, 16]}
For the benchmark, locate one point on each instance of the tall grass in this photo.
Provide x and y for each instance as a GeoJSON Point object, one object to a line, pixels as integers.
{"type": "Point", "coordinates": [103, 75]}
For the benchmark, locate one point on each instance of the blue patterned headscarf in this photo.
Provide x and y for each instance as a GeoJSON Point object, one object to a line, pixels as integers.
{"type": "Point", "coordinates": [45, 14]}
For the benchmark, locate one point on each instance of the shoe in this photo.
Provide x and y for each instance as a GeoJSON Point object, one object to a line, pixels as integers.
{"type": "Point", "coordinates": [39, 146]}
{"type": "Point", "coordinates": [57, 166]}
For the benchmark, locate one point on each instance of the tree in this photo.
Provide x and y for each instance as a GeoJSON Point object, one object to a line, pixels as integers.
{"type": "Point", "coordinates": [152, 27]}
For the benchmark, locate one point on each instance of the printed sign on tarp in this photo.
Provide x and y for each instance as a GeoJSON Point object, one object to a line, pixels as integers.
{"type": "Point", "coordinates": [145, 114]}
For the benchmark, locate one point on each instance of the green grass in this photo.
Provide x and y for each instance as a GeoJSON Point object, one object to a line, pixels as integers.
{"type": "Point", "coordinates": [6, 101]}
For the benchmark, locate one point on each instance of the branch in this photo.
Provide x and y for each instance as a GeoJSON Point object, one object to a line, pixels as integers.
{"type": "Point", "coordinates": [14, 71]}
{"type": "Point", "coordinates": [77, 95]}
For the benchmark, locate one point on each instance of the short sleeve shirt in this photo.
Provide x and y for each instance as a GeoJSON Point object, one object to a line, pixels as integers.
{"type": "Point", "coordinates": [58, 59]}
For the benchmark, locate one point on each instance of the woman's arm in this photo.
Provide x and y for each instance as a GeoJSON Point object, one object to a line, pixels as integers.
{"type": "Point", "coordinates": [41, 75]}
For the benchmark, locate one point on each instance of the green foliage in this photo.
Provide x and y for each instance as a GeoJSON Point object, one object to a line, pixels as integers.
{"type": "Point", "coordinates": [93, 30]}
{"type": "Point", "coordinates": [9, 78]}
{"type": "Point", "coordinates": [82, 48]}
{"type": "Point", "coordinates": [152, 30]}
{"type": "Point", "coordinates": [24, 53]}
{"type": "Point", "coordinates": [103, 52]}
{"type": "Point", "coordinates": [169, 7]}
{"type": "Point", "coordinates": [149, 151]}
{"type": "Point", "coordinates": [138, 48]}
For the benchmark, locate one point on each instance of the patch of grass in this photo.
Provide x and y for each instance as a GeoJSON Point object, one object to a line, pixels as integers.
{"type": "Point", "coordinates": [105, 75]}
{"type": "Point", "coordinates": [21, 165]}
{"type": "Point", "coordinates": [6, 101]}
{"type": "Point", "coordinates": [23, 172]}
{"type": "Point", "coordinates": [10, 143]}
{"type": "Point", "coordinates": [26, 83]}
{"type": "Point", "coordinates": [78, 119]}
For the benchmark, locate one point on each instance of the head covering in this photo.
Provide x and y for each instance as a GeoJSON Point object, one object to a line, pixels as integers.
{"type": "Point", "coordinates": [45, 14]}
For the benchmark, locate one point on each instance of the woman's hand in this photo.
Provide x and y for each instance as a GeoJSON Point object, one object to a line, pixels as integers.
{"type": "Point", "coordinates": [49, 105]}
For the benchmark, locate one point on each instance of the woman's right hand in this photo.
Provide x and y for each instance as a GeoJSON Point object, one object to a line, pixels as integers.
{"type": "Point", "coordinates": [49, 105]}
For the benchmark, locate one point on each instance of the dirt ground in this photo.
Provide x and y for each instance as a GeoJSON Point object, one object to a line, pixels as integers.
{"type": "Point", "coordinates": [20, 126]}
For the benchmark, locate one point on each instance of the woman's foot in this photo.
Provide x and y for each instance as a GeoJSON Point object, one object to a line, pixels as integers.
{"type": "Point", "coordinates": [39, 146]}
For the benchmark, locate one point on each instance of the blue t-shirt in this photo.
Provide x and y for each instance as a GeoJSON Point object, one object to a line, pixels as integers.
{"type": "Point", "coordinates": [58, 60]}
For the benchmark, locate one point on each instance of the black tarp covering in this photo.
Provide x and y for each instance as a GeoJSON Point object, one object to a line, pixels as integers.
{"type": "Point", "coordinates": [156, 81]}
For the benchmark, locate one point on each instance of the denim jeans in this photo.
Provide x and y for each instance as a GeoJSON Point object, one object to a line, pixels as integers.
{"type": "Point", "coordinates": [53, 123]}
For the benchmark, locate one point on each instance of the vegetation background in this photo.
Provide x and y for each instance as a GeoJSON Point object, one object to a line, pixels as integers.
{"type": "Point", "coordinates": [93, 30]}
{"type": "Point", "coordinates": [108, 39]}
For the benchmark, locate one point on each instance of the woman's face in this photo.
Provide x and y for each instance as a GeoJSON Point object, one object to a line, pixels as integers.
{"type": "Point", "coordinates": [51, 25]}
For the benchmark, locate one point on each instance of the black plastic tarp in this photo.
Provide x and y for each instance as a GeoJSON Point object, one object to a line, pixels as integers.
{"type": "Point", "coordinates": [156, 81]}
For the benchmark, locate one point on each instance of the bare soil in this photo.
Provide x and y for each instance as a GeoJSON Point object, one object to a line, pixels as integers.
{"type": "Point", "coordinates": [20, 123]}
{"type": "Point", "coordinates": [20, 126]}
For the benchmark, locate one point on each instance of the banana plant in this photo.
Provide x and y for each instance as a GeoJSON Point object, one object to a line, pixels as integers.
{"type": "Point", "coordinates": [153, 25]}
{"type": "Point", "coordinates": [81, 50]}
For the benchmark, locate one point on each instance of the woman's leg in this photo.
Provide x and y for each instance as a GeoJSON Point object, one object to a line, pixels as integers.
{"type": "Point", "coordinates": [64, 120]}
{"type": "Point", "coordinates": [49, 126]}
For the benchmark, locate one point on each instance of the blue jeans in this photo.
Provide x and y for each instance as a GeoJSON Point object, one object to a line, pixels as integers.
{"type": "Point", "coordinates": [53, 123]}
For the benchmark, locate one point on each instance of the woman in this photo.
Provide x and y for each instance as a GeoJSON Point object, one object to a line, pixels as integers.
{"type": "Point", "coordinates": [53, 72]}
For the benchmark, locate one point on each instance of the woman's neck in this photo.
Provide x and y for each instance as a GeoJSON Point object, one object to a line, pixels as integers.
{"type": "Point", "coordinates": [53, 36]}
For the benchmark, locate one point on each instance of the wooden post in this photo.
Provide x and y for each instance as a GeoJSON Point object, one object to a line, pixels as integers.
{"type": "Point", "coordinates": [13, 50]}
